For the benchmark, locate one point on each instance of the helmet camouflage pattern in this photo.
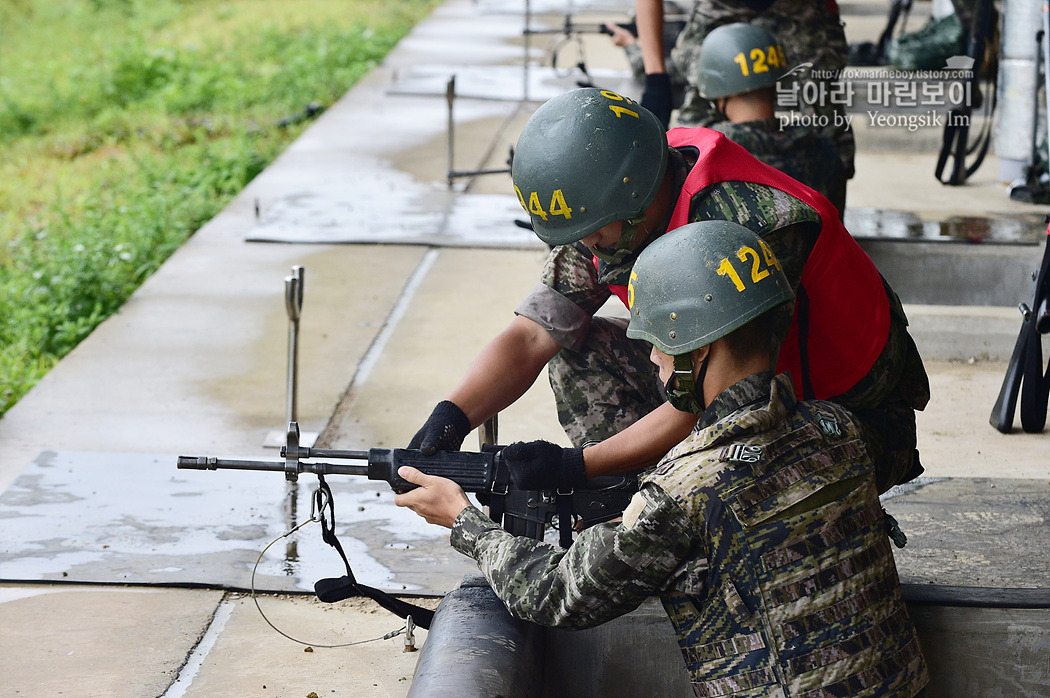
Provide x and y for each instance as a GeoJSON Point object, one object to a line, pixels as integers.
{"type": "Point", "coordinates": [738, 58]}
{"type": "Point", "coordinates": [698, 283]}
{"type": "Point", "coordinates": [585, 159]}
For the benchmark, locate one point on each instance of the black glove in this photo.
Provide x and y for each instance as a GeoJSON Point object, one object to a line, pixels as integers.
{"type": "Point", "coordinates": [444, 430]}
{"type": "Point", "coordinates": [656, 97]}
{"type": "Point", "coordinates": [541, 465]}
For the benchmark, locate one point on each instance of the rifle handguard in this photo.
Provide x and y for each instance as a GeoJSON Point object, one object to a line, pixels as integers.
{"type": "Point", "coordinates": [474, 472]}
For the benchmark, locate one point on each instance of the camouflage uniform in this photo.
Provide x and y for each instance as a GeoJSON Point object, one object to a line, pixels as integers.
{"type": "Point", "coordinates": [763, 536]}
{"type": "Point", "coordinates": [806, 154]}
{"type": "Point", "coordinates": [604, 382]}
{"type": "Point", "coordinates": [808, 31]}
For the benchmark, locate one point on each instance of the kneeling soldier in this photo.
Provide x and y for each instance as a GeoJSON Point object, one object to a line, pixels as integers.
{"type": "Point", "coordinates": [761, 532]}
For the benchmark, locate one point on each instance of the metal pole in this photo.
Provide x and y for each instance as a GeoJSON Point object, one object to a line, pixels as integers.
{"type": "Point", "coordinates": [525, 43]}
{"type": "Point", "coordinates": [293, 301]}
{"type": "Point", "coordinates": [488, 436]}
{"type": "Point", "coordinates": [487, 432]}
{"type": "Point", "coordinates": [450, 95]}
{"type": "Point", "coordinates": [450, 143]}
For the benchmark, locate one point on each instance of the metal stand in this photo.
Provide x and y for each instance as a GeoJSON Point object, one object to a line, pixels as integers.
{"type": "Point", "coordinates": [293, 302]}
{"type": "Point", "coordinates": [487, 436]}
{"type": "Point", "coordinates": [450, 172]}
{"type": "Point", "coordinates": [487, 432]}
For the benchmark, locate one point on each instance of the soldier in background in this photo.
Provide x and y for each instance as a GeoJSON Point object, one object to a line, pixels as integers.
{"type": "Point", "coordinates": [626, 37]}
{"type": "Point", "coordinates": [737, 71]}
{"type": "Point", "coordinates": [815, 48]}
{"type": "Point", "coordinates": [762, 532]}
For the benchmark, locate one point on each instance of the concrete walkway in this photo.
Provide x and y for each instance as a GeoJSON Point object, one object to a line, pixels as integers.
{"type": "Point", "coordinates": [195, 364]}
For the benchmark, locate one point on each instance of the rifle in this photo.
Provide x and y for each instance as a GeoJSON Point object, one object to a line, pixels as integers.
{"type": "Point", "coordinates": [572, 31]}
{"type": "Point", "coordinates": [484, 473]}
{"type": "Point", "coordinates": [1024, 374]}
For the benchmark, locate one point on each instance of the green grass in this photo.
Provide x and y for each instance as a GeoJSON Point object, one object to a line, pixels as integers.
{"type": "Point", "coordinates": [127, 124]}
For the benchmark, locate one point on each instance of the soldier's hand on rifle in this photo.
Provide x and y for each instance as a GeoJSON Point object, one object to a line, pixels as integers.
{"type": "Point", "coordinates": [444, 430]}
{"type": "Point", "coordinates": [542, 465]}
{"type": "Point", "coordinates": [437, 499]}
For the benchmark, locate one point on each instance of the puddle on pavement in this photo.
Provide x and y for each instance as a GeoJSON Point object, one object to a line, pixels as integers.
{"type": "Point", "coordinates": [137, 519]}
{"type": "Point", "coordinates": [870, 223]}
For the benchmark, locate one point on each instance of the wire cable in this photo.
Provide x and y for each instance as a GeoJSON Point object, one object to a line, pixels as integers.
{"type": "Point", "coordinates": [255, 599]}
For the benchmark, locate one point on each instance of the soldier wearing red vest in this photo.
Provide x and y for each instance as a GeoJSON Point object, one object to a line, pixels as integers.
{"type": "Point", "coordinates": [601, 180]}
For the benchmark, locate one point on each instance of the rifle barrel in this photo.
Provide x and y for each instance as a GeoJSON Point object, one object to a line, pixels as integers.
{"type": "Point", "coordinates": [209, 463]}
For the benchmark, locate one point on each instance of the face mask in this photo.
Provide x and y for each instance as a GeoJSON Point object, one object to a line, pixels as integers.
{"type": "Point", "coordinates": [686, 394]}
{"type": "Point", "coordinates": [624, 246]}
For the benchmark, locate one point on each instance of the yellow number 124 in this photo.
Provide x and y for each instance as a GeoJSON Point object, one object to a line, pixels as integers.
{"type": "Point", "coordinates": [725, 268]}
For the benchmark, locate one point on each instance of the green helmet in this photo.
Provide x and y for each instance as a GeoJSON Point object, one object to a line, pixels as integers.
{"type": "Point", "coordinates": [700, 282]}
{"type": "Point", "coordinates": [585, 159]}
{"type": "Point", "coordinates": [738, 58]}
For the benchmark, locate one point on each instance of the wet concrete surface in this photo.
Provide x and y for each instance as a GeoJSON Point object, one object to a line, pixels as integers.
{"type": "Point", "coordinates": [194, 364]}
{"type": "Point", "coordinates": [112, 517]}
{"type": "Point", "coordinates": [905, 226]}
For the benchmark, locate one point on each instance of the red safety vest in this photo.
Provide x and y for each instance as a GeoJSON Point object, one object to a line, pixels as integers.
{"type": "Point", "coordinates": [845, 309]}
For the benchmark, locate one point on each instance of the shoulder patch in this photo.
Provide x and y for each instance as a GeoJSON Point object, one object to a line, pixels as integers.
{"type": "Point", "coordinates": [829, 426]}
{"type": "Point", "coordinates": [741, 453]}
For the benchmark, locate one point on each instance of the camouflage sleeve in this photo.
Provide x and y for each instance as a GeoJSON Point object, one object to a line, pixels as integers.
{"type": "Point", "coordinates": [572, 274]}
{"type": "Point", "coordinates": [609, 570]}
{"type": "Point", "coordinates": [566, 298]}
{"type": "Point", "coordinates": [565, 322]}
{"type": "Point", "coordinates": [633, 53]}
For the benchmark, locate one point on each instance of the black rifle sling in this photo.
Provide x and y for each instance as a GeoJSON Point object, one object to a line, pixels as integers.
{"type": "Point", "coordinates": [1002, 416]}
{"type": "Point", "coordinates": [1034, 392]}
{"type": "Point", "coordinates": [956, 141]}
{"type": "Point", "coordinates": [951, 131]}
{"type": "Point", "coordinates": [1024, 373]}
{"type": "Point", "coordinates": [563, 503]}
{"type": "Point", "coordinates": [337, 589]}
{"type": "Point", "coordinates": [1035, 385]}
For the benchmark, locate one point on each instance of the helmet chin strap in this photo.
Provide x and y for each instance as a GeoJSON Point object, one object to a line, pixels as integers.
{"type": "Point", "coordinates": [685, 393]}
{"type": "Point", "coordinates": [624, 245]}
{"type": "Point", "coordinates": [719, 105]}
